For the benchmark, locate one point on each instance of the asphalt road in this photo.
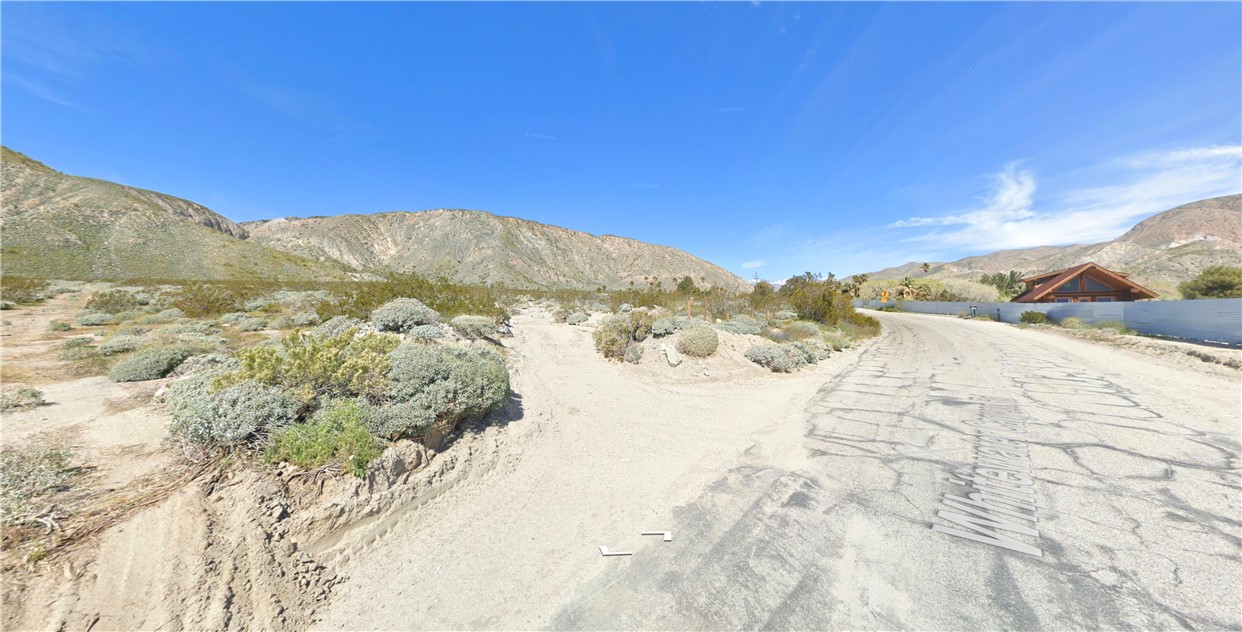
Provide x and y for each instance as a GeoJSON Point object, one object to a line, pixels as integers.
{"type": "Point", "coordinates": [1121, 476]}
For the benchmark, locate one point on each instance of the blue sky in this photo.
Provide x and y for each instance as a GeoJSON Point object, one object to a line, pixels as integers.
{"type": "Point", "coordinates": [770, 138]}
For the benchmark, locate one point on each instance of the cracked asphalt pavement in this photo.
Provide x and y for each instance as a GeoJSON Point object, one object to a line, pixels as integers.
{"type": "Point", "coordinates": [1131, 469]}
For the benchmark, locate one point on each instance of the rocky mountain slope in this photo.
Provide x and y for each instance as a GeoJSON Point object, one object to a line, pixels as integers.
{"type": "Point", "coordinates": [58, 225]}
{"type": "Point", "coordinates": [1159, 252]}
{"type": "Point", "coordinates": [478, 247]}
{"type": "Point", "coordinates": [63, 226]}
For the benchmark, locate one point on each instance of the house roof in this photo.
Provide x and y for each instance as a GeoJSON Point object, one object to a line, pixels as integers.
{"type": "Point", "coordinates": [1044, 284]}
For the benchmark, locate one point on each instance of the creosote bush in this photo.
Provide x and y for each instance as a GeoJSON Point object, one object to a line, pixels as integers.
{"type": "Point", "coordinates": [473, 327]}
{"type": "Point", "coordinates": [1032, 317]}
{"type": "Point", "coordinates": [22, 289]}
{"type": "Point", "coordinates": [334, 435]}
{"type": "Point", "coordinates": [113, 302]}
{"type": "Point", "coordinates": [403, 314]}
{"type": "Point", "coordinates": [698, 342]}
{"type": "Point", "coordinates": [310, 367]}
{"type": "Point", "coordinates": [148, 364]}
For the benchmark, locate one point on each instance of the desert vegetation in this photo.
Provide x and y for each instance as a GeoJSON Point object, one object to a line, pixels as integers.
{"type": "Point", "coordinates": [1214, 282]}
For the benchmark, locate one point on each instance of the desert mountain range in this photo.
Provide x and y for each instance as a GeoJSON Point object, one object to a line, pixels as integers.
{"type": "Point", "coordinates": [63, 226]}
{"type": "Point", "coordinates": [1159, 252]}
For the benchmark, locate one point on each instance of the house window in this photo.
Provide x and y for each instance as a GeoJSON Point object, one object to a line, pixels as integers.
{"type": "Point", "coordinates": [1103, 299]}
{"type": "Point", "coordinates": [1096, 286]}
{"type": "Point", "coordinates": [1065, 300]}
{"type": "Point", "coordinates": [1073, 285]}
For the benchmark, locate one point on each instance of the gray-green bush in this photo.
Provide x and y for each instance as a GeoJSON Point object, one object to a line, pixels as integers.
{"type": "Point", "coordinates": [402, 314]}
{"type": "Point", "coordinates": [120, 343]}
{"type": "Point", "coordinates": [246, 412]}
{"type": "Point", "coordinates": [576, 318]}
{"type": "Point", "coordinates": [251, 324]}
{"type": "Point", "coordinates": [663, 327]}
{"type": "Point", "coordinates": [425, 332]}
{"type": "Point", "coordinates": [452, 383]}
{"type": "Point", "coordinates": [20, 399]}
{"type": "Point", "coordinates": [148, 364]}
{"type": "Point", "coordinates": [741, 324]}
{"type": "Point", "coordinates": [58, 326]}
{"type": "Point", "coordinates": [335, 325]}
{"type": "Point", "coordinates": [401, 419]}
{"type": "Point", "coordinates": [95, 319]}
{"type": "Point", "coordinates": [634, 353]}
{"type": "Point", "coordinates": [698, 342]}
{"type": "Point", "coordinates": [776, 357]}
{"type": "Point", "coordinates": [1032, 317]}
{"type": "Point", "coordinates": [473, 327]}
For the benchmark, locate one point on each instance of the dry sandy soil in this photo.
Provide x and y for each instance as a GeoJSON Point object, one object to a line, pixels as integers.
{"type": "Point", "coordinates": [586, 453]}
{"type": "Point", "coordinates": [158, 543]}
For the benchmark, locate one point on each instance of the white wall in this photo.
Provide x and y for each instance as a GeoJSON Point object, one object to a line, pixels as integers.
{"type": "Point", "coordinates": [1208, 320]}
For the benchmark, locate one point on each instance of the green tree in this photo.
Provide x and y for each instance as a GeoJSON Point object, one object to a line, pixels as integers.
{"type": "Point", "coordinates": [1009, 284]}
{"type": "Point", "coordinates": [686, 286]}
{"type": "Point", "coordinates": [1214, 282]}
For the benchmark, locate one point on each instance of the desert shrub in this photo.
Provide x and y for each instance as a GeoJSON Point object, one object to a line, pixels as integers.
{"type": "Point", "coordinates": [310, 367]}
{"type": "Point", "coordinates": [245, 412]}
{"type": "Point", "coordinates": [741, 324]}
{"type": "Point", "coordinates": [614, 335]}
{"type": "Point", "coordinates": [132, 330]}
{"type": "Point", "coordinates": [360, 299]}
{"type": "Point", "coordinates": [28, 475]}
{"type": "Point", "coordinates": [148, 364]}
{"type": "Point", "coordinates": [836, 341]}
{"type": "Point", "coordinates": [576, 318]}
{"type": "Point", "coordinates": [1115, 325]}
{"type": "Point", "coordinates": [779, 358]}
{"type": "Point", "coordinates": [663, 327]}
{"type": "Point", "coordinates": [113, 302]}
{"type": "Point", "coordinates": [335, 325]}
{"type": "Point", "coordinates": [22, 289]}
{"type": "Point", "coordinates": [207, 361]}
{"type": "Point", "coordinates": [401, 419]}
{"type": "Point", "coordinates": [425, 332]}
{"type": "Point", "coordinates": [7, 305]}
{"type": "Point", "coordinates": [335, 434]}
{"type": "Point", "coordinates": [699, 342]}
{"type": "Point", "coordinates": [683, 322]}
{"type": "Point", "coordinates": [1032, 317]}
{"type": "Point", "coordinates": [473, 326]}
{"type": "Point", "coordinates": [625, 308]}
{"type": "Point", "coordinates": [634, 353]}
{"type": "Point", "coordinates": [812, 350]}
{"type": "Point", "coordinates": [233, 317]}
{"type": "Point", "coordinates": [305, 319]}
{"type": "Point", "coordinates": [20, 399]}
{"type": "Point", "coordinates": [800, 330]}
{"type": "Point", "coordinates": [77, 342]}
{"type": "Point", "coordinates": [281, 323]}
{"type": "Point", "coordinates": [785, 315]}
{"type": "Point", "coordinates": [199, 327]}
{"type": "Point", "coordinates": [95, 319]}
{"type": "Point", "coordinates": [205, 299]}
{"type": "Point", "coordinates": [1072, 322]}
{"type": "Point", "coordinates": [251, 324]}
{"type": "Point", "coordinates": [164, 316]}
{"type": "Point", "coordinates": [120, 344]}
{"type": "Point", "coordinates": [452, 383]}
{"type": "Point", "coordinates": [59, 325]}
{"type": "Point", "coordinates": [402, 314]}
{"type": "Point", "coordinates": [1214, 282]}
{"type": "Point", "coordinates": [259, 304]}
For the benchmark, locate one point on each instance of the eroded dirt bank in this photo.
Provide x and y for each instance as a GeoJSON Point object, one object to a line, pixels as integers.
{"type": "Point", "coordinates": [231, 547]}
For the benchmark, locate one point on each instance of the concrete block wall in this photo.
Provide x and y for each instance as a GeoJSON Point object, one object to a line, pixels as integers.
{"type": "Point", "coordinates": [1216, 320]}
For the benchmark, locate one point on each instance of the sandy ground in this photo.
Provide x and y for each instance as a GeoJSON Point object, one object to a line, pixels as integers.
{"type": "Point", "coordinates": [600, 454]}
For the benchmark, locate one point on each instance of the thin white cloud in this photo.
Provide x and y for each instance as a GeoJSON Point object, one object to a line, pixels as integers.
{"type": "Point", "coordinates": [1011, 218]}
{"type": "Point", "coordinates": [38, 90]}
{"type": "Point", "coordinates": [314, 109]}
{"type": "Point", "coordinates": [751, 265]}
{"type": "Point", "coordinates": [1010, 200]}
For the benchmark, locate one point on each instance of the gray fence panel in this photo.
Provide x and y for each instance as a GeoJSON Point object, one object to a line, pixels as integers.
{"type": "Point", "coordinates": [1209, 320]}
